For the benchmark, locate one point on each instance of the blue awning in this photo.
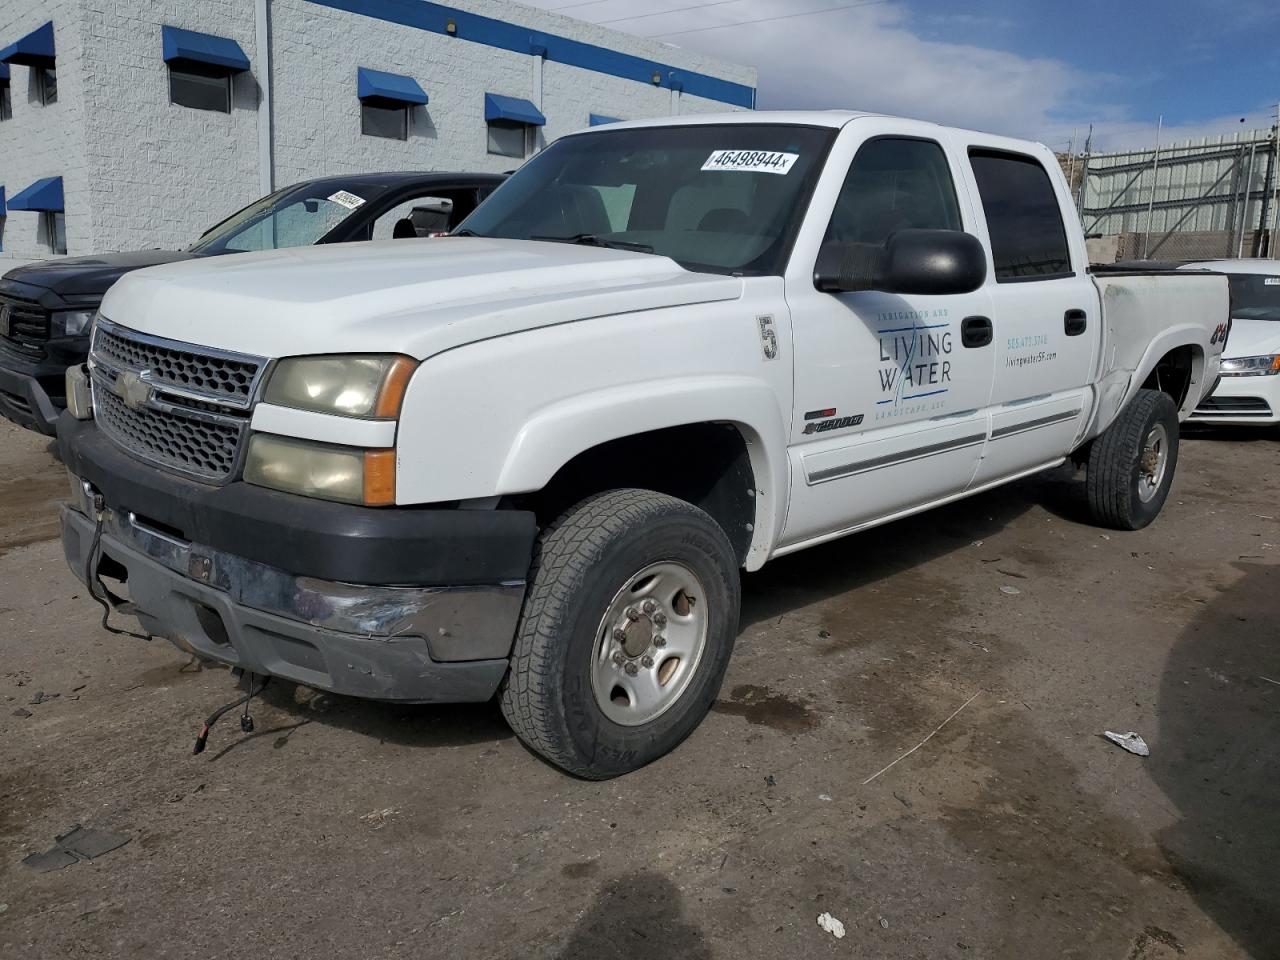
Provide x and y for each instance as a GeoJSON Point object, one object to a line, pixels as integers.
{"type": "Point", "coordinates": [498, 107]}
{"type": "Point", "coordinates": [187, 46]}
{"type": "Point", "coordinates": [33, 50]}
{"type": "Point", "coordinates": [599, 120]}
{"type": "Point", "coordinates": [42, 196]}
{"type": "Point", "coordinates": [388, 87]}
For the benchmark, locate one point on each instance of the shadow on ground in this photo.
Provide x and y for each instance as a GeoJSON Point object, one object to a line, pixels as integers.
{"type": "Point", "coordinates": [641, 915]}
{"type": "Point", "coordinates": [1217, 757]}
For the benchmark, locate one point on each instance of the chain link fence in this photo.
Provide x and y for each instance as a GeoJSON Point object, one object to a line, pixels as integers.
{"type": "Point", "coordinates": [1198, 200]}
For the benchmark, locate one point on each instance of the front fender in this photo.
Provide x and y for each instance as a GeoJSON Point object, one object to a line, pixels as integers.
{"type": "Point", "coordinates": [557, 433]}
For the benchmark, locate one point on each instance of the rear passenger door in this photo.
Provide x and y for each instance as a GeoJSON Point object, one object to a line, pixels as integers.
{"type": "Point", "coordinates": [1044, 313]}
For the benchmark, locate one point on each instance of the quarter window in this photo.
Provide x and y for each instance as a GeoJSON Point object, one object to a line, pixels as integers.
{"type": "Point", "coordinates": [895, 184]}
{"type": "Point", "coordinates": [1028, 239]}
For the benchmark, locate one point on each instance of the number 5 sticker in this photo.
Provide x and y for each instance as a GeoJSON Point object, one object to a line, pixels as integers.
{"type": "Point", "coordinates": [768, 338]}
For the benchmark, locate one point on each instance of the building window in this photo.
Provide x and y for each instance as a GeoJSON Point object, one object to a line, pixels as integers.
{"type": "Point", "coordinates": [6, 104]}
{"type": "Point", "coordinates": [47, 84]}
{"type": "Point", "coordinates": [200, 89]}
{"type": "Point", "coordinates": [55, 228]}
{"type": "Point", "coordinates": [391, 122]}
{"type": "Point", "coordinates": [508, 139]}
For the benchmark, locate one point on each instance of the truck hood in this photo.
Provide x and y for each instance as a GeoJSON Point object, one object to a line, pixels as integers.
{"type": "Point", "coordinates": [416, 297]}
{"type": "Point", "coordinates": [1253, 338]}
{"type": "Point", "coordinates": [90, 276]}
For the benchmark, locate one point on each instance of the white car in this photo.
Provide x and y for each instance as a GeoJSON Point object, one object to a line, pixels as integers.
{"type": "Point", "coordinates": [1249, 393]}
{"type": "Point", "coordinates": [530, 459]}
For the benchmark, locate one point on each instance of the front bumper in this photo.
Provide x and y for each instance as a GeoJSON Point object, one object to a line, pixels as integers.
{"type": "Point", "coordinates": [405, 604]}
{"type": "Point", "coordinates": [23, 400]}
{"type": "Point", "coordinates": [1241, 401]}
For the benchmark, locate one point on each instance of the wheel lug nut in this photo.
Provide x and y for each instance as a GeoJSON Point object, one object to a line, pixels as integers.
{"type": "Point", "coordinates": [633, 614]}
{"type": "Point", "coordinates": [659, 618]}
{"type": "Point", "coordinates": [650, 606]}
{"type": "Point", "coordinates": [619, 658]}
{"type": "Point", "coordinates": [619, 634]}
{"type": "Point", "coordinates": [647, 662]}
{"type": "Point", "coordinates": [659, 641]}
{"type": "Point", "coordinates": [632, 669]}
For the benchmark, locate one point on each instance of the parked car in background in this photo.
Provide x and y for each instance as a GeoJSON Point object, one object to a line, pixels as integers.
{"type": "Point", "coordinates": [1249, 393]}
{"type": "Point", "coordinates": [533, 457]}
{"type": "Point", "coordinates": [46, 308]}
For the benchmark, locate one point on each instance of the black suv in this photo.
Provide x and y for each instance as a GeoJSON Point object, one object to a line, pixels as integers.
{"type": "Point", "coordinates": [46, 308]}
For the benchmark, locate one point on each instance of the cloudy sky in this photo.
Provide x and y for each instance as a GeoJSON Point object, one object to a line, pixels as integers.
{"type": "Point", "coordinates": [1034, 68]}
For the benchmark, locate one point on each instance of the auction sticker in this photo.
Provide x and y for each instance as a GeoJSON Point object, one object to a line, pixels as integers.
{"type": "Point", "coordinates": [752, 161]}
{"type": "Point", "coordinates": [348, 200]}
{"type": "Point", "coordinates": [1271, 282]}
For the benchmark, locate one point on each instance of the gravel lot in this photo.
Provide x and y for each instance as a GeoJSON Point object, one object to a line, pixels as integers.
{"type": "Point", "coordinates": [348, 829]}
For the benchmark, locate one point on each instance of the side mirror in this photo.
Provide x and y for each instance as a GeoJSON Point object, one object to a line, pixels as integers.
{"type": "Point", "coordinates": [923, 262]}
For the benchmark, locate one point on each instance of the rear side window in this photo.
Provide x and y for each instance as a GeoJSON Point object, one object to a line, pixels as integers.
{"type": "Point", "coordinates": [894, 184]}
{"type": "Point", "coordinates": [1028, 239]}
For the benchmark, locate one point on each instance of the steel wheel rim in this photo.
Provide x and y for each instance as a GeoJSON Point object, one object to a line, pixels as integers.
{"type": "Point", "coordinates": [1153, 461]}
{"type": "Point", "coordinates": [649, 643]}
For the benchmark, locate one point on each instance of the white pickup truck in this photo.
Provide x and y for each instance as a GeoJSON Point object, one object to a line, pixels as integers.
{"type": "Point", "coordinates": [531, 459]}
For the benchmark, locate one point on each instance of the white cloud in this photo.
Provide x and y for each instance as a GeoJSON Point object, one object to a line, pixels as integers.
{"type": "Point", "coordinates": [873, 58]}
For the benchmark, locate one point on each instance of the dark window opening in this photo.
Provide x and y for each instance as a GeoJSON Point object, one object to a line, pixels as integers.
{"type": "Point", "coordinates": [55, 231]}
{"type": "Point", "coordinates": [895, 184]}
{"type": "Point", "coordinates": [1028, 238]}
{"type": "Point", "coordinates": [200, 89]}
{"type": "Point", "coordinates": [508, 139]}
{"type": "Point", "coordinates": [6, 103]}
{"type": "Point", "coordinates": [391, 122]}
{"type": "Point", "coordinates": [47, 83]}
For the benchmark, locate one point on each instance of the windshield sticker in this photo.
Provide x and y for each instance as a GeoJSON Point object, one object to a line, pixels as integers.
{"type": "Point", "coordinates": [751, 161]}
{"type": "Point", "coordinates": [348, 200]}
{"type": "Point", "coordinates": [1271, 282]}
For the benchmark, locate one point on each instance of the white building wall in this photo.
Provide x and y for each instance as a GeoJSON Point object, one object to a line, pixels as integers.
{"type": "Point", "coordinates": [140, 172]}
{"type": "Point", "coordinates": [159, 174]}
{"type": "Point", "coordinates": [40, 141]}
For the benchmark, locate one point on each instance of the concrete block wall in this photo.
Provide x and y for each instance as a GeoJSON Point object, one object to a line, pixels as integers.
{"type": "Point", "coordinates": [44, 141]}
{"type": "Point", "coordinates": [141, 172]}
{"type": "Point", "coordinates": [161, 173]}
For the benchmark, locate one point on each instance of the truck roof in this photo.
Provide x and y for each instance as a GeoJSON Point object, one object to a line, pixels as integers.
{"type": "Point", "coordinates": [834, 119]}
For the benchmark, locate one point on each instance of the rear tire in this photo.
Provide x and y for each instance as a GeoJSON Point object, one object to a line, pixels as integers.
{"type": "Point", "coordinates": [618, 658]}
{"type": "Point", "coordinates": [1131, 465]}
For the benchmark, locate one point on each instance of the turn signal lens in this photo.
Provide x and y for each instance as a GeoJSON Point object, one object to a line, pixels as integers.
{"type": "Point", "coordinates": [379, 478]}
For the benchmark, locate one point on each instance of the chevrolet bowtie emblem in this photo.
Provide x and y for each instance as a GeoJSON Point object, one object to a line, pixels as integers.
{"type": "Point", "coordinates": [133, 388]}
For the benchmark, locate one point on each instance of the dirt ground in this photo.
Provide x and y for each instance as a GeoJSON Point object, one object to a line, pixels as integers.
{"type": "Point", "coordinates": [348, 829]}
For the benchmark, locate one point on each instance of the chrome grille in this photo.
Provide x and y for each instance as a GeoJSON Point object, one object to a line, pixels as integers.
{"type": "Point", "coordinates": [26, 326]}
{"type": "Point", "coordinates": [204, 449]}
{"type": "Point", "coordinates": [212, 377]}
{"type": "Point", "coordinates": [183, 407]}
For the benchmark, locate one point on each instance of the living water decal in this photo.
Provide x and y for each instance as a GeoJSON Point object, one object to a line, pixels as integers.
{"type": "Point", "coordinates": [915, 362]}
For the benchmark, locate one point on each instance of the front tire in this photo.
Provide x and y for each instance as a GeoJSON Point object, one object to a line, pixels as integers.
{"type": "Point", "coordinates": [626, 633]}
{"type": "Point", "coordinates": [1131, 465]}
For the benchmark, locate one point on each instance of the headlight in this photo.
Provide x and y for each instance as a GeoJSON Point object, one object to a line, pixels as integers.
{"type": "Point", "coordinates": [321, 470]}
{"type": "Point", "coordinates": [1267, 366]}
{"type": "Point", "coordinates": [70, 323]}
{"type": "Point", "coordinates": [350, 386]}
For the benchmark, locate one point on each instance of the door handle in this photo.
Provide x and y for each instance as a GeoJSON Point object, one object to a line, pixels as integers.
{"type": "Point", "coordinates": [976, 331]}
{"type": "Point", "coordinates": [1075, 322]}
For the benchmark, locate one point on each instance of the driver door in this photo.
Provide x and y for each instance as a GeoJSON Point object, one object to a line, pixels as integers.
{"type": "Point", "coordinates": [891, 391]}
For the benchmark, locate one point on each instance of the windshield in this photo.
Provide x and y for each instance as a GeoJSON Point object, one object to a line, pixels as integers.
{"type": "Point", "coordinates": [294, 217]}
{"type": "Point", "coordinates": [1255, 297]}
{"type": "Point", "coordinates": [719, 199]}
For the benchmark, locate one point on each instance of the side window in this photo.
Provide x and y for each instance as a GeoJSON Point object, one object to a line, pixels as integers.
{"type": "Point", "coordinates": [1028, 239]}
{"type": "Point", "coordinates": [895, 184]}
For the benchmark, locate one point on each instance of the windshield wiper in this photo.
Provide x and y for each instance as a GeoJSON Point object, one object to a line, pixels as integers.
{"type": "Point", "coordinates": [465, 232]}
{"type": "Point", "coordinates": [592, 240]}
